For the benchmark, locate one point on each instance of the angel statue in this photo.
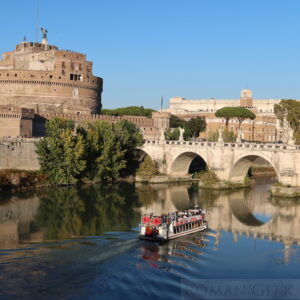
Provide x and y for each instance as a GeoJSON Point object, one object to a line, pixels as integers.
{"type": "Point", "coordinates": [44, 31]}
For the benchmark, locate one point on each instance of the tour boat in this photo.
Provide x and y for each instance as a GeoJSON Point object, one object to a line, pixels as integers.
{"type": "Point", "coordinates": [172, 225]}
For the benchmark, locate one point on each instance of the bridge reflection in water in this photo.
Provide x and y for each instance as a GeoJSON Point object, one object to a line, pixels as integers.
{"type": "Point", "coordinates": [64, 213]}
{"type": "Point", "coordinates": [245, 212]}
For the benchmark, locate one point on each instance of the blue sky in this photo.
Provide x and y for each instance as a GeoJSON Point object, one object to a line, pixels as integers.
{"type": "Point", "coordinates": [146, 49]}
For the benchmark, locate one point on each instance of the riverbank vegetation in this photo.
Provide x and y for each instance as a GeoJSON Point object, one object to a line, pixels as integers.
{"type": "Point", "coordinates": [99, 151]}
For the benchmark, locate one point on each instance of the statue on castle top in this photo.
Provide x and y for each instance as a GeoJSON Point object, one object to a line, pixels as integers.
{"type": "Point", "coordinates": [44, 32]}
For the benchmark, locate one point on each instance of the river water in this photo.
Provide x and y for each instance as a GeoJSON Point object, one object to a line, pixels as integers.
{"type": "Point", "coordinates": [81, 243]}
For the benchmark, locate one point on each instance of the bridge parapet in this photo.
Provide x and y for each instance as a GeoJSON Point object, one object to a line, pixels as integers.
{"type": "Point", "coordinates": [228, 145]}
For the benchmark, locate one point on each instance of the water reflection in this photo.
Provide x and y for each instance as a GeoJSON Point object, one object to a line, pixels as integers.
{"type": "Point", "coordinates": [75, 243]}
{"type": "Point", "coordinates": [93, 210]}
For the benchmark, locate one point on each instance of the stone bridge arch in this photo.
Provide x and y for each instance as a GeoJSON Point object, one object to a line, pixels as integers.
{"type": "Point", "coordinates": [181, 164]}
{"type": "Point", "coordinates": [242, 164]}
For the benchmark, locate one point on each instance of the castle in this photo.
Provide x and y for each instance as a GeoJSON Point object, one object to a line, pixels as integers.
{"type": "Point", "coordinates": [41, 77]}
{"type": "Point", "coordinates": [38, 82]}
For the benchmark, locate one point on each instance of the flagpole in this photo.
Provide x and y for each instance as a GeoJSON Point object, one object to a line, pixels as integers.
{"type": "Point", "coordinates": [161, 103]}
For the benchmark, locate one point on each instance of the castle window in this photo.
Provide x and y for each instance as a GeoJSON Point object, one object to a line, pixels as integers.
{"type": "Point", "coordinates": [16, 75]}
{"type": "Point", "coordinates": [7, 74]}
{"type": "Point", "coordinates": [51, 76]}
{"type": "Point", "coordinates": [59, 77]}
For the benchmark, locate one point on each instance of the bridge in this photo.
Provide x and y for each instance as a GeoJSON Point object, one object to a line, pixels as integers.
{"type": "Point", "coordinates": [230, 161]}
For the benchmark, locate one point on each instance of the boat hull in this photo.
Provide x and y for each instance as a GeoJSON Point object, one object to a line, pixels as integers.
{"type": "Point", "coordinates": [173, 236]}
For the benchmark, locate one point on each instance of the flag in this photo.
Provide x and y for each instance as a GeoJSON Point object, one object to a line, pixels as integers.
{"type": "Point", "coordinates": [162, 101]}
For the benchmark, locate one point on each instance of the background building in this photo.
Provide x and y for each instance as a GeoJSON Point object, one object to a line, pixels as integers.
{"type": "Point", "coordinates": [264, 128]}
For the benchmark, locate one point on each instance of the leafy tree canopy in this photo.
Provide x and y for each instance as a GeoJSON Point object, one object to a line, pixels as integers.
{"type": "Point", "coordinates": [176, 122]}
{"type": "Point", "coordinates": [95, 151]}
{"type": "Point", "coordinates": [288, 110]}
{"type": "Point", "coordinates": [62, 153]}
{"type": "Point", "coordinates": [193, 127]}
{"type": "Point", "coordinates": [129, 111]}
{"type": "Point", "coordinates": [239, 113]}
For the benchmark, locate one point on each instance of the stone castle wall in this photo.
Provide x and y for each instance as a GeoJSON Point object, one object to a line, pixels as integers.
{"type": "Point", "coordinates": [18, 154]}
{"type": "Point", "coordinates": [39, 91]}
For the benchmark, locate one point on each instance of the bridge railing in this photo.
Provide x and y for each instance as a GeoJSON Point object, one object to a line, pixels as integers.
{"type": "Point", "coordinates": [257, 146]}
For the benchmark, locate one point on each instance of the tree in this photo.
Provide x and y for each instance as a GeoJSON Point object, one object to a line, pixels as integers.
{"type": "Point", "coordinates": [227, 113]}
{"type": "Point", "coordinates": [147, 168]}
{"type": "Point", "coordinates": [129, 111]}
{"type": "Point", "coordinates": [172, 134]}
{"type": "Point", "coordinates": [130, 138]}
{"type": "Point", "coordinates": [194, 126]}
{"type": "Point", "coordinates": [239, 113]}
{"type": "Point", "coordinates": [62, 152]}
{"type": "Point", "coordinates": [105, 156]}
{"type": "Point", "coordinates": [176, 122]}
{"type": "Point", "coordinates": [96, 151]}
{"type": "Point", "coordinates": [243, 113]}
{"type": "Point", "coordinates": [288, 110]}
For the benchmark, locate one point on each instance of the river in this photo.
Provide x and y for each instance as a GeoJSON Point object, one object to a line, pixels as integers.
{"type": "Point", "coordinates": [81, 243]}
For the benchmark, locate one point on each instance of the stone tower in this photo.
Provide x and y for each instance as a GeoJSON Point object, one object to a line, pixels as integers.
{"type": "Point", "coordinates": [161, 120]}
{"type": "Point", "coordinates": [246, 99]}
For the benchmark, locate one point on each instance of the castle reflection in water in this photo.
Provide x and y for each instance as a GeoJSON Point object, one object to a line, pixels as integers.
{"type": "Point", "coordinates": [245, 212]}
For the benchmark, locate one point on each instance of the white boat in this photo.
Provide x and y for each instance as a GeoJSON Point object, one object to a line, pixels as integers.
{"type": "Point", "coordinates": [172, 225]}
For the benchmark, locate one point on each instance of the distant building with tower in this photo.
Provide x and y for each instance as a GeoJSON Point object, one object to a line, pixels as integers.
{"type": "Point", "coordinates": [265, 128]}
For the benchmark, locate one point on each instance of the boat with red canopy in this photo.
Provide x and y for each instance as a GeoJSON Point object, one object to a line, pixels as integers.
{"type": "Point", "coordinates": [172, 225]}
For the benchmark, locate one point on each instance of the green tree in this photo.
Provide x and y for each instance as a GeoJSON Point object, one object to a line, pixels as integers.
{"type": "Point", "coordinates": [62, 152]}
{"type": "Point", "coordinates": [147, 168]}
{"type": "Point", "coordinates": [228, 136]}
{"type": "Point", "coordinates": [288, 110]}
{"type": "Point", "coordinates": [242, 114]}
{"type": "Point", "coordinates": [176, 122]}
{"type": "Point", "coordinates": [227, 113]}
{"type": "Point", "coordinates": [105, 155]}
{"type": "Point", "coordinates": [130, 137]}
{"type": "Point", "coordinates": [239, 113]}
{"type": "Point", "coordinates": [193, 127]}
{"type": "Point", "coordinates": [129, 111]}
{"type": "Point", "coordinates": [172, 134]}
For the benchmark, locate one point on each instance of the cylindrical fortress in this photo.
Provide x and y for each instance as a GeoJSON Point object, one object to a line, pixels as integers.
{"type": "Point", "coordinates": [46, 79]}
